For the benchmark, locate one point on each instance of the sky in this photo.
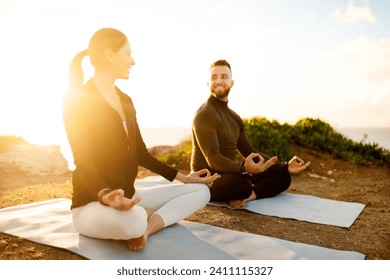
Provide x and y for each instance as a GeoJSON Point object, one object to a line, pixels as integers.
{"type": "Point", "coordinates": [290, 59]}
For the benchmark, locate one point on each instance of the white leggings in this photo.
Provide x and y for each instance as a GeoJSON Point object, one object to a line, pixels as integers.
{"type": "Point", "coordinates": [172, 202]}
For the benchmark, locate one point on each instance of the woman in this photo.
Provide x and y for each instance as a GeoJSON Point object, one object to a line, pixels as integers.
{"type": "Point", "coordinates": [107, 147]}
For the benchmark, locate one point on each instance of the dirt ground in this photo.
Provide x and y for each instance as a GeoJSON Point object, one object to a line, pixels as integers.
{"type": "Point", "coordinates": [327, 178]}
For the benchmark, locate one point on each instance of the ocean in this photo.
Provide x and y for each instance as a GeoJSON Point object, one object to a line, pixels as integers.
{"type": "Point", "coordinates": [368, 135]}
{"type": "Point", "coordinates": [161, 136]}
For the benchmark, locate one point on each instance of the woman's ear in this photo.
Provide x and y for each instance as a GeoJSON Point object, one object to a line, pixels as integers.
{"type": "Point", "coordinates": [109, 54]}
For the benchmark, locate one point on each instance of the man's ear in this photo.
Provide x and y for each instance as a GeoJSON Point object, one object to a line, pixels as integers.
{"type": "Point", "coordinates": [232, 84]}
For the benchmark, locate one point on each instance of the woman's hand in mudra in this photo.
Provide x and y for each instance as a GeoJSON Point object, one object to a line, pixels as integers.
{"type": "Point", "coordinates": [202, 176]}
{"type": "Point", "coordinates": [118, 201]}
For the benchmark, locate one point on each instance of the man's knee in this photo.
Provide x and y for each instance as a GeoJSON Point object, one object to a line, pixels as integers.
{"type": "Point", "coordinates": [286, 182]}
{"type": "Point", "coordinates": [231, 186]}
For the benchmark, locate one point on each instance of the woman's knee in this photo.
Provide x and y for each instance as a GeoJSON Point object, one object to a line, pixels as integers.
{"type": "Point", "coordinates": [108, 223]}
{"type": "Point", "coordinates": [133, 224]}
{"type": "Point", "coordinates": [205, 194]}
{"type": "Point", "coordinates": [202, 193]}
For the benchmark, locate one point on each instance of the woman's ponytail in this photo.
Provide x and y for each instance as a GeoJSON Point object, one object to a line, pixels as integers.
{"type": "Point", "coordinates": [76, 75]}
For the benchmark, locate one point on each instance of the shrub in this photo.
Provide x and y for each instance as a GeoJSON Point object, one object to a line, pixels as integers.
{"type": "Point", "coordinates": [180, 157]}
{"type": "Point", "coordinates": [273, 138]}
{"type": "Point", "coordinates": [316, 134]}
{"type": "Point", "coordinates": [269, 137]}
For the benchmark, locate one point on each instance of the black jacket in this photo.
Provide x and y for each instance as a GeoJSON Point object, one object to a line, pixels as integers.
{"type": "Point", "coordinates": [219, 140]}
{"type": "Point", "coordinates": [104, 156]}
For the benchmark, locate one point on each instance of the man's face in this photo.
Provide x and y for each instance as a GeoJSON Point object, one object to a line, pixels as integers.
{"type": "Point", "coordinates": [220, 82]}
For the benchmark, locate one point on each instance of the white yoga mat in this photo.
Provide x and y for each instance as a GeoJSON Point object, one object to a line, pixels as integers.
{"type": "Point", "coordinates": [49, 222]}
{"type": "Point", "coordinates": [294, 206]}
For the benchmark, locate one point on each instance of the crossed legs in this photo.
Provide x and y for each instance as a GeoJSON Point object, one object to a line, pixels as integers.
{"type": "Point", "coordinates": [167, 205]}
{"type": "Point", "coordinates": [160, 206]}
{"type": "Point", "coordinates": [238, 189]}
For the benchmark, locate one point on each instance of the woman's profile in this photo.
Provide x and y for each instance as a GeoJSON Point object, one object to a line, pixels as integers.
{"type": "Point", "coordinates": [107, 146]}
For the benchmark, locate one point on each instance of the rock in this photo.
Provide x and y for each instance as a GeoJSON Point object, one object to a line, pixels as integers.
{"type": "Point", "coordinates": [160, 150]}
{"type": "Point", "coordinates": [36, 160]}
{"type": "Point", "coordinates": [330, 172]}
{"type": "Point", "coordinates": [313, 175]}
{"type": "Point", "coordinates": [3, 244]}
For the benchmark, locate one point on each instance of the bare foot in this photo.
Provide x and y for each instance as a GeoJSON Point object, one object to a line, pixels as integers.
{"type": "Point", "coordinates": [241, 203]}
{"type": "Point", "coordinates": [237, 203]}
{"type": "Point", "coordinates": [155, 223]}
{"type": "Point", "coordinates": [137, 244]}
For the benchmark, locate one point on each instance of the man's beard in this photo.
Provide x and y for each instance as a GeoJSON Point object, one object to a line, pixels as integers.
{"type": "Point", "coordinates": [220, 94]}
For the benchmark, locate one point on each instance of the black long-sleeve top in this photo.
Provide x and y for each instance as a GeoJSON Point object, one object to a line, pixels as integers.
{"type": "Point", "coordinates": [104, 155]}
{"type": "Point", "coordinates": [217, 136]}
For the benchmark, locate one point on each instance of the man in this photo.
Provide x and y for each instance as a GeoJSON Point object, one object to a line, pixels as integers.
{"type": "Point", "coordinates": [217, 137]}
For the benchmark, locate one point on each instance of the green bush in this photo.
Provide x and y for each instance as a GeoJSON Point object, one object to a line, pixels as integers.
{"type": "Point", "coordinates": [179, 158]}
{"type": "Point", "coordinates": [273, 138]}
{"type": "Point", "coordinates": [269, 137]}
{"type": "Point", "coordinates": [314, 134]}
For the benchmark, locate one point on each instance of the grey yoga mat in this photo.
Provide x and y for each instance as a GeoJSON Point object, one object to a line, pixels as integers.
{"type": "Point", "coordinates": [294, 206]}
{"type": "Point", "coordinates": [49, 222]}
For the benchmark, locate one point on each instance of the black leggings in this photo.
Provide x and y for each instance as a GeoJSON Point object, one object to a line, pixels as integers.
{"type": "Point", "coordinates": [235, 186]}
